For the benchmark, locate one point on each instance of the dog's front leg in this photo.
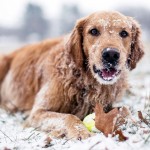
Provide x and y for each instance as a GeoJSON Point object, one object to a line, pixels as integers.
{"type": "Point", "coordinates": [45, 115]}
{"type": "Point", "coordinates": [58, 124]}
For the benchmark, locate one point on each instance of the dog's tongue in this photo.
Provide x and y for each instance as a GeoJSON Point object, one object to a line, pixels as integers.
{"type": "Point", "coordinates": [108, 73]}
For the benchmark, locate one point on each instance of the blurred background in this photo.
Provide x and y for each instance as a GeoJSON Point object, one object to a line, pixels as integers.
{"type": "Point", "coordinates": [29, 21]}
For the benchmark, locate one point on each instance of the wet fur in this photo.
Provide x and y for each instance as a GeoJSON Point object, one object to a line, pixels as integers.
{"type": "Point", "coordinates": [53, 80]}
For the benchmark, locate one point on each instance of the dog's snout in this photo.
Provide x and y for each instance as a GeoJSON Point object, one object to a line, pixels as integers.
{"type": "Point", "coordinates": [110, 55]}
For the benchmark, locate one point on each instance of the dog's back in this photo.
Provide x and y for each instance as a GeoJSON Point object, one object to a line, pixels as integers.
{"type": "Point", "coordinates": [22, 62]}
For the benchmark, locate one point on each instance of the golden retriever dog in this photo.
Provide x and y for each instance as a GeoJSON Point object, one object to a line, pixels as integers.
{"type": "Point", "coordinates": [59, 81]}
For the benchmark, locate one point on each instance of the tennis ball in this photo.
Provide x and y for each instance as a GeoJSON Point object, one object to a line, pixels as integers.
{"type": "Point", "coordinates": [89, 122]}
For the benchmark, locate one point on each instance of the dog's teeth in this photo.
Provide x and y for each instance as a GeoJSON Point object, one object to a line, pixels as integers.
{"type": "Point", "coordinates": [108, 78]}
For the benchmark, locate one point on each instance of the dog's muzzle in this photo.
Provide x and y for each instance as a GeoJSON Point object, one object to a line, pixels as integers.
{"type": "Point", "coordinates": [110, 59]}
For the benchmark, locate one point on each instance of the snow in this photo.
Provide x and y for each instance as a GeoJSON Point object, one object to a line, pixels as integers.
{"type": "Point", "coordinates": [14, 136]}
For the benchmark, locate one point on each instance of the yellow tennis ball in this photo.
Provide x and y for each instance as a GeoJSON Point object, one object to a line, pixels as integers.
{"type": "Point", "coordinates": [89, 121]}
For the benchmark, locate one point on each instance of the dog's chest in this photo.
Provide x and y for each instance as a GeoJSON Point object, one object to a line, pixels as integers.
{"type": "Point", "coordinates": [85, 96]}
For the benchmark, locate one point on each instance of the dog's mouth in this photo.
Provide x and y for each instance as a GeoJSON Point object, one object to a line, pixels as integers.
{"type": "Point", "coordinates": [107, 74]}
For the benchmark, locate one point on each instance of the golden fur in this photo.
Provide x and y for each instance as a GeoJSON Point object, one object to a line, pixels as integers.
{"type": "Point", "coordinates": [54, 79]}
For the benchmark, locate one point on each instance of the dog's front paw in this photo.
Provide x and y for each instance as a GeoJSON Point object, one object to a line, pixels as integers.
{"type": "Point", "coordinates": [76, 129]}
{"type": "Point", "coordinates": [72, 128]}
{"type": "Point", "coordinates": [78, 132]}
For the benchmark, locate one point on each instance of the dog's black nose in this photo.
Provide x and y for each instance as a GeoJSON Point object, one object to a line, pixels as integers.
{"type": "Point", "coordinates": [110, 55]}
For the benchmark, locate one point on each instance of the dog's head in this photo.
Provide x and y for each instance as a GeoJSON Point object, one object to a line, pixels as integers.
{"type": "Point", "coordinates": [107, 43]}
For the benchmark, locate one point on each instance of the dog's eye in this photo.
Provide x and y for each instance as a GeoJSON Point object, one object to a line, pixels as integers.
{"type": "Point", "coordinates": [123, 34]}
{"type": "Point", "coordinates": [94, 32]}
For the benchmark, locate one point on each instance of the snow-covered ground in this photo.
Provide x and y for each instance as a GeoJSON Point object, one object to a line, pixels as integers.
{"type": "Point", "coordinates": [14, 136]}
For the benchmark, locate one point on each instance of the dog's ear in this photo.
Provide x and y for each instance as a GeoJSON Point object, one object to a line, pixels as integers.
{"type": "Point", "coordinates": [136, 52]}
{"type": "Point", "coordinates": [75, 43]}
